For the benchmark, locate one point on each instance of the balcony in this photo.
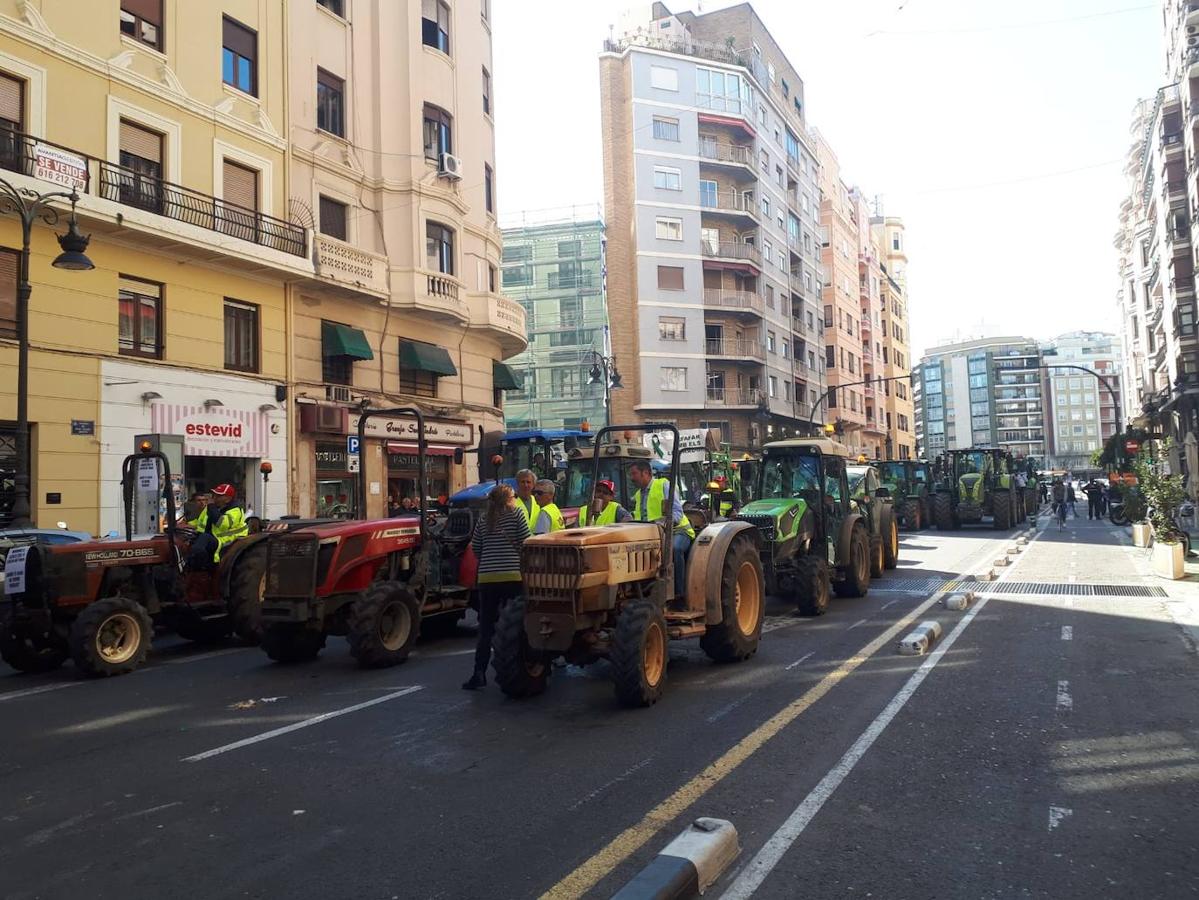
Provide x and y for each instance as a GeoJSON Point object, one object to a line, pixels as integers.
{"type": "Point", "coordinates": [1178, 238]}
{"type": "Point", "coordinates": [712, 152]}
{"type": "Point", "coordinates": [504, 318]}
{"type": "Point", "coordinates": [728, 203]}
{"type": "Point", "coordinates": [359, 271]}
{"type": "Point", "coordinates": [745, 302]}
{"type": "Point", "coordinates": [433, 294]}
{"type": "Point", "coordinates": [737, 251]}
{"type": "Point", "coordinates": [738, 349]}
{"type": "Point", "coordinates": [1176, 190]}
{"type": "Point", "coordinates": [734, 397]}
{"type": "Point", "coordinates": [1171, 143]}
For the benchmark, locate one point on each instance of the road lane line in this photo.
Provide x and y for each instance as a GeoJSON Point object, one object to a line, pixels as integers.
{"type": "Point", "coordinates": [856, 624]}
{"type": "Point", "coordinates": [296, 726]}
{"type": "Point", "coordinates": [1067, 632]}
{"type": "Point", "coordinates": [45, 688]}
{"type": "Point", "coordinates": [1065, 702]}
{"type": "Point", "coordinates": [798, 661]}
{"type": "Point", "coordinates": [888, 603]}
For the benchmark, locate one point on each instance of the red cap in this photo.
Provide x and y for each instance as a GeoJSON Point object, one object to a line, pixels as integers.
{"type": "Point", "coordinates": [224, 490]}
{"type": "Point", "coordinates": [605, 483]}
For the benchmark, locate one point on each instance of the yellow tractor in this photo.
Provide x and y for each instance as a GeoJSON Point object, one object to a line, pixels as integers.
{"type": "Point", "coordinates": [607, 592]}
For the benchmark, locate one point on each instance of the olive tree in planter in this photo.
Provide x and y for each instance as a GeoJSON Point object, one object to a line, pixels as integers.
{"type": "Point", "coordinates": [1163, 493]}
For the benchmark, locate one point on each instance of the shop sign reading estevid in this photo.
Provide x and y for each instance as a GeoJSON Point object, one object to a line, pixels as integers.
{"type": "Point", "coordinates": [405, 429]}
{"type": "Point", "coordinates": [213, 432]}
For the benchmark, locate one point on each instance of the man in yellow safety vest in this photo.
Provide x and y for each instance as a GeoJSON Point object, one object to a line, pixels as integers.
{"type": "Point", "coordinates": [525, 501]}
{"type": "Point", "coordinates": [648, 503]}
{"type": "Point", "coordinates": [550, 517]}
{"type": "Point", "coordinates": [220, 523]}
{"type": "Point", "coordinates": [606, 510]}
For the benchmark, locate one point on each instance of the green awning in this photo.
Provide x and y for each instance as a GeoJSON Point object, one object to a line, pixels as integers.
{"type": "Point", "coordinates": [342, 340]}
{"type": "Point", "coordinates": [505, 378]}
{"type": "Point", "coordinates": [426, 358]}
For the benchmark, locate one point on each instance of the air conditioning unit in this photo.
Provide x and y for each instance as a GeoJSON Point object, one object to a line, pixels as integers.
{"type": "Point", "coordinates": [449, 166]}
{"type": "Point", "coordinates": [338, 393]}
{"type": "Point", "coordinates": [325, 419]}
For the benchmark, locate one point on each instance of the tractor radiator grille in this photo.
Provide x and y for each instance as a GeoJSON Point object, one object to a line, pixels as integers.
{"type": "Point", "coordinates": [291, 566]}
{"type": "Point", "coordinates": [764, 524]}
{"type": "Point", "coordinates": [550, 572]}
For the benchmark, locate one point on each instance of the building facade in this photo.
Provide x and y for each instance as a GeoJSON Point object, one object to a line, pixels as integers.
{"type": "Point", "coordinates": [897, 389]}
{"type": "Point", "coordinates": [1082, 408]}
{"type": "Point", "coordinates": [265, 242]}
{"type": "Point", "coordinates": [553, 266]}
{"type": "Point", "coordinates": [983, 393]}
{"type": "Point", "coordinates": [712, 198]}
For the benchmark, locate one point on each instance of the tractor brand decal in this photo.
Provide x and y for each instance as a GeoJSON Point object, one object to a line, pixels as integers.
{"type": "Point", "coordinates": [641, 547]}
{"type": "Point", "coordinates": [105, 556]}
{"type": "Point", "coordinates": [396, 532]}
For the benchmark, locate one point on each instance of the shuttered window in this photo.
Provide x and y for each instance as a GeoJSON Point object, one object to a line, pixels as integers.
{"type": "Point", "coordinates": [142, 143]}
{"type": "Point", "coordinates": [12, 105]}
{"type": "Point", "coordinates": [333, 218]}
{"type": "Point", "coordinates": [239, 56]}
{"type": "Point", "coordinates": [240, 185]}
{"type": "Point", "coordinates": [140, 182]}
{"type": "Point", "coordinates": [142, 21]}
{"type": "Point", "coordinates": [9, 262]}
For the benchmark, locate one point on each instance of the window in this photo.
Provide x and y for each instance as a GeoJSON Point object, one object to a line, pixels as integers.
{"type": "Point", "coordinates": [670, 278]}
{"type": "Point", "coordinates": [439, 132]}
{"type": "Point", "coordinates": [337, 7]}
{"type": "Point", "coordinates": [435, 25]}
{"type": "Point", "coordinates": [707, 193]}
{"type": "Point", "coordinates": [666, 129]}
{"type": "Point", "coordinates": [773, 386]}
{"type": "Point", "coordinates": [439, 248]}
{"type": "Point", "coordinates": [240, 201]}
{"type": "Point", "coordinates": [830, 356]}
{"type": "Point", "coordinates": [330, 103]}
{"type": "Point", "coordinates": [239, 56]}
{"type": "Point", "coordinates": [241, 336]}
{"type": "Point", "coordinates": [337, 370]}
{"type": "Point", "coordinates": [764, 159]}
{"type": "Point", "coordinates": [140, 184]}
{"type": "Point", "coordinates": [674, 378]}
{"type": "Point", "coordinates": [672, 329]}
{"type": "Point", "coordinates": [417, 383]}
{"type": "Point", "coordinates": [668, 179]}
{"type": "Point", "coordinates": [139, 318]}
{"type": "Point", "coordinates": [517, 276]}
{"type": "Point", "coordinates": [664, 78]}
{"type": "Point", "coordinates": [9, 262]}
{"type": "Point", "coordinates": [333, 218]}
{"type": "Point", "coordinates": [12, 118]}
{"type": "Point", "coordinates": [785, 349]}
{"type": "Point", "coordinates": [490, 278]}
{"type": "Point", "coordinates": [488, 189]}
{"type": "Point", "coordinates": [722, 91]}
{"type": "Point", "coordinates": [142, 21]}
{"type": "Point", "coordinates": [486, 92]}
{"type": "Point", "coordinates": [770, 341]}
{"type": "Point", "coordinates": [766, 208]}
{"type": "Point", "coordinates": [668, 229]}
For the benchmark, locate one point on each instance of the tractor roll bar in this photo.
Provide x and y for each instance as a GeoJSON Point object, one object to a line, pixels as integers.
{"type": "Point", "coordinates": [129, 480]}
{"type": "Point", "coordinates": [415, 413]}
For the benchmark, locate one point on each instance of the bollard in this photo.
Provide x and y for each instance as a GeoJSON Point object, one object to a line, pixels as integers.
{"type": "Point", "coordinates": [920, 638]}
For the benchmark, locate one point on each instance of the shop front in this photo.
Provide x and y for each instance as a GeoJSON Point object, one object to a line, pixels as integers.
{"type": "Point", "coordinates": [402, 470]}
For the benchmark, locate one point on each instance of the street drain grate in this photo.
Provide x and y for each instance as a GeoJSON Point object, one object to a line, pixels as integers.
{"type": "Point", "coordinates": [1073, 590]}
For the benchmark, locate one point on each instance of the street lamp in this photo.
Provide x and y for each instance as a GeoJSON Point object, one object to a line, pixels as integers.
{"type": "Point", "coordinates": [30, 207]}
{"type": "Point", "coordinates": [603, 371]}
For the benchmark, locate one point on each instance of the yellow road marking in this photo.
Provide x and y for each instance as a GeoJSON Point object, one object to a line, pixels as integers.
{"type": "Point", "coordinates": [629, 841]}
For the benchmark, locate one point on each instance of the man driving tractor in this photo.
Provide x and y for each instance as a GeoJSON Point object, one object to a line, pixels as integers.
{"type": "Point", "coordinates": [221, 522]}
{"type": "Point", "coordinates": [648, 501]}
{"type": "Point", "coordinates": [606, 511]}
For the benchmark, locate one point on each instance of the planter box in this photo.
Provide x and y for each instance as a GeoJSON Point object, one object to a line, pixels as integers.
{"type": "Point", "coordinates": [1141, 533]}
{"type": "Point", "coordinates": [1166, 560]}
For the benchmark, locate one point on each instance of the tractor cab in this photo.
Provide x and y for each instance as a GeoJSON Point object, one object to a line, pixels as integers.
{"type": "Point", "coordinates": [894, 475]}
{"type": "Point", "coordinates": [545, 452]}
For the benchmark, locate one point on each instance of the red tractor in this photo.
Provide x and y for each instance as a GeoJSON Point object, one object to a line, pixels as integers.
{"type": "Point", "coordinates": [99, 601]}
{"type": "Point", "coordinates": [380, 583]}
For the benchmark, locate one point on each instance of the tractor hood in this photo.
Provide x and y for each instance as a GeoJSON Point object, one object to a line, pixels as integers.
{"type": "Point", "coordinates": [785, 513]}
{"type": "Point", "coordinates": [971, 486]}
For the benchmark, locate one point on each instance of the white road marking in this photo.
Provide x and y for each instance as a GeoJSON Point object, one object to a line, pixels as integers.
{"type": "Point", "coordinates": [29, 692]}
{"type": "Point", "coordinates": [888, 603]}
{"type": "Point", "coordinates": [1056, 814]}
{"type": "Point", "coordinates": [1067, 632]}
{"type": "Point", "coordinates": [726, 709]}
{"type": "Point", "coordinates": [296, 726]}
{"type": "Point", "coordinates": [147, 812]}
{"type": "Point", "coordinates": [788, 668]}
{"type": "Point", "coordinates": [856, 624]}
{"type": "Point", "coordinates": [1064, 700]}
{"type": "Point", "coordinates": [631, 770]}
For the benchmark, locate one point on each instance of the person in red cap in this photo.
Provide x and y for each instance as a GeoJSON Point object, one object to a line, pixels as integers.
{"type": "Point", "coordinates": [221, 522]}
{"type": "Point", "coordinates": [604, 510]}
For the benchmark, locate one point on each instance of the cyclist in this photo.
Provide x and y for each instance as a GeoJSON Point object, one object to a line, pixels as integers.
{"type": "Point", "coordinates": [1059, 502]}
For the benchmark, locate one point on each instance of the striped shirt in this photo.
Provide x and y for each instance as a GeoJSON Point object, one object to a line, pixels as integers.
{"type": "Point", "coordinates": [498, 551]}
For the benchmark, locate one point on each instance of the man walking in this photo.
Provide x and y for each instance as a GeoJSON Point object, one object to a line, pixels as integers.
{"type": "Point", "coordinates": [1071, 498]}
{"type": "Point", "coordinates": [648, 503]}
{"type": "Point", "coordinates": [1094, 491]}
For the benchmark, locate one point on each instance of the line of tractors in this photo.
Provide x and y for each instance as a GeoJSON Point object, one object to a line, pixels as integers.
{"type": "Point", "coordinates": [801, 521]}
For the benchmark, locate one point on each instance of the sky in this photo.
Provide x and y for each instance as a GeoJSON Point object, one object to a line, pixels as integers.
{"type": "Point", "coordinates": [997, 131]}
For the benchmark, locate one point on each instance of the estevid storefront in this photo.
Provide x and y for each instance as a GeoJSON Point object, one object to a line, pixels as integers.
{"type": "Point", "coordinates": [220, 446]}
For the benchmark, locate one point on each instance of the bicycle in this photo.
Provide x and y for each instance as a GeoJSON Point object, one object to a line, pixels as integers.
{"type": "Point", "coordinates": [1060, 511]}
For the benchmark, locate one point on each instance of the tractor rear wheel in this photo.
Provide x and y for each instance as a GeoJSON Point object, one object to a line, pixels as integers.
{"type": "Point", "coordinates": [639, 654]}
{"type": "Point", "coordinates": [856, 580]}
{"type": "Point", "coordinates": [30, 653]}
{"type": "Point", "coordinates": [890, 542]}
{"type": "Point", "coordinates": [291, 643]}
{"type": "Point", "coordinates": [1001, 507]}
{"type": "Point", "coordinates": [742, 592]}
{"type": "Point", "coordinates": [246, 589]}
{"type": "Point", "coordinates": [877, 558]}
{"type": "Point", "coordinates": [943, 512]}
{"type": "Point", "coordinates": [383, 625]}
{"type": "Point", "coordinates": [518, 670]}
{"type": "Point", "coordinates": [915, 516]}
{"type": "Point", "coordinates": [812, 586]}
{"type": "Point", "coordinates": [111, 637]}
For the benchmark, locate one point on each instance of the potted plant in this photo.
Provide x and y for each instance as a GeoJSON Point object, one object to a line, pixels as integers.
{"type": "Point", "coordinates": [1163, 493]}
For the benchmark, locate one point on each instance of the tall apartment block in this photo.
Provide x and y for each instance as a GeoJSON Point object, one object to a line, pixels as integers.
{"type": "Point", "coordinates": [1082, 410]}
{"type": "Point", "coordinates": [893, 342]}
{"type": "Point", "coordinates": [554, 268]}
{"type": "Point", "coordinates": [983, 393]}
{"type": "Point", "coordinates": [1155, 240]}
{"type": "Point", "coordinates": [712, 198]}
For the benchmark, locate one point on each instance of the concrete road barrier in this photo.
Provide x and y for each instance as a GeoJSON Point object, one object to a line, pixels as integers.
{"type": "Point", "coordinates": [688, 865]}
{"type": "Point", "coordinates": [918, 641]}
{"type": "Point", "coordinates": [1001, 562]}
{"type": "Point", "coordinates": [988, 575]}
{"type": "Point", "coordinates": [958, 601]}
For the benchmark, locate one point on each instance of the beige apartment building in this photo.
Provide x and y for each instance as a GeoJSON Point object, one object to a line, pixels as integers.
{"type": "Point", "coordinates": [898, 402]}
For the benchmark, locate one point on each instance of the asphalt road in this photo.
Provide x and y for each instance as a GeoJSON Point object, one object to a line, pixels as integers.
{"type": "Point", "coordinates": [1009, 762]}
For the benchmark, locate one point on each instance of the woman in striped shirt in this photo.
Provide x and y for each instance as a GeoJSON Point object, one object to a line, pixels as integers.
{"type": "Point", "coordinates": [499, 534]}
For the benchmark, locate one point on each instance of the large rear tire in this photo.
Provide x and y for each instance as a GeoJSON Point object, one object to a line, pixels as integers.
{"type": "Point", "coordinates": [813, 586]}
{"type": "Point", "coordinates": [1001, 506]}
{"type": "Point", "coordinates": [742, 603]}
{"type": "Point", "coordinates": [519, 671]}
{"type": "Point", "coordinates": [639, 654]}
{"type": "Point", "coordinates": [291, 643]}
{"type": "Point", "coordinates": [111, 637]}
{"type": "Point", "coordinates": [31, 653]}
{"type": "Point", "coordinates": [890, 542]}
{"type": "Point", "coordinates": [856, 580]}
{"type": "Point", "coordinates": [943, 512]}
{"type": "Point", "coordinates": [877, 556]}
{"type": "Point", "coordinates": [383, 625]}
{"type": "Point", "coordinates": [246, 589]}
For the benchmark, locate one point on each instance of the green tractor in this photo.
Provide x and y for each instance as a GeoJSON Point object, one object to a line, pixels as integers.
{"type": "Point", "coordinates": [874, 501]}
{"type": "Point", "coordinates": [814, 537]}
{"type": "Point", "coordinates": [974, 484]}
{"type": "Point", "coordinates": [910, 483]}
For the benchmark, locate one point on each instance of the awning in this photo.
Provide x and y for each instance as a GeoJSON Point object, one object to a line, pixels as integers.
{"type": "Point", "coordinates": [505, 378]}
{"type": "Point", "coordinates": [342, 340]}
{"type": "Point", "coordinates": [411, 449]}
{"type": "Point", "coordinates": [426, 358]}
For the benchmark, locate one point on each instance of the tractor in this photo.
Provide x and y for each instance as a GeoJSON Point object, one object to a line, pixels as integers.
{"type": "Point", "coordinates": [875, 503]}
{"type": "Point", "coordinates": [909, 482]}
{"type": "Point", "coordinates": [813, 537]}
{"type": "Point", "coordinates": [607, 592]}
{"type": "Point", "coordinates": [380, 583]}
{"type": "Point", "coordinates": [98, 601]}
{"type": "Point", "coordinates": [974, 484]}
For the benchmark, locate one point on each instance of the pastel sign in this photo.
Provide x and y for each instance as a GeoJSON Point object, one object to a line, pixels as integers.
{"type": "Point", "coordinates": [216, 432]}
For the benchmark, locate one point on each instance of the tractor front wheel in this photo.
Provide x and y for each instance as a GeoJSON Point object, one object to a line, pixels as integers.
{"type": "Point", "coordinates": [518, 670]}
{"type": "Point", "coordinates": [890, 542]}
{"type": "Point", "coordinates": [291, 643]}
{"type": "Point", "coordinates": [246, 589]}
{"type": "Point", "coordinates": [1001, 506]}
{"type": "Point", "coordinates": [383, 625]}
{"type": "Point", "coordinates": [742, 595]}
{"type": "Point", "coordinates": [812, 586]}
{"type": "Point", "coordinates": [877, 557]}
{"type": "Point", "coordinates": [915, 518]}
{"type": "Point", "coordinates": [111, 637]}
{"type": "Point", "coordinates": [856, 580]}
{"type": "Point", "coordinates": [30, 653]}
{"type": "Point", "coordinates": [943, 512]}
{"type": "Point", "coordinates": [639, 654]}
